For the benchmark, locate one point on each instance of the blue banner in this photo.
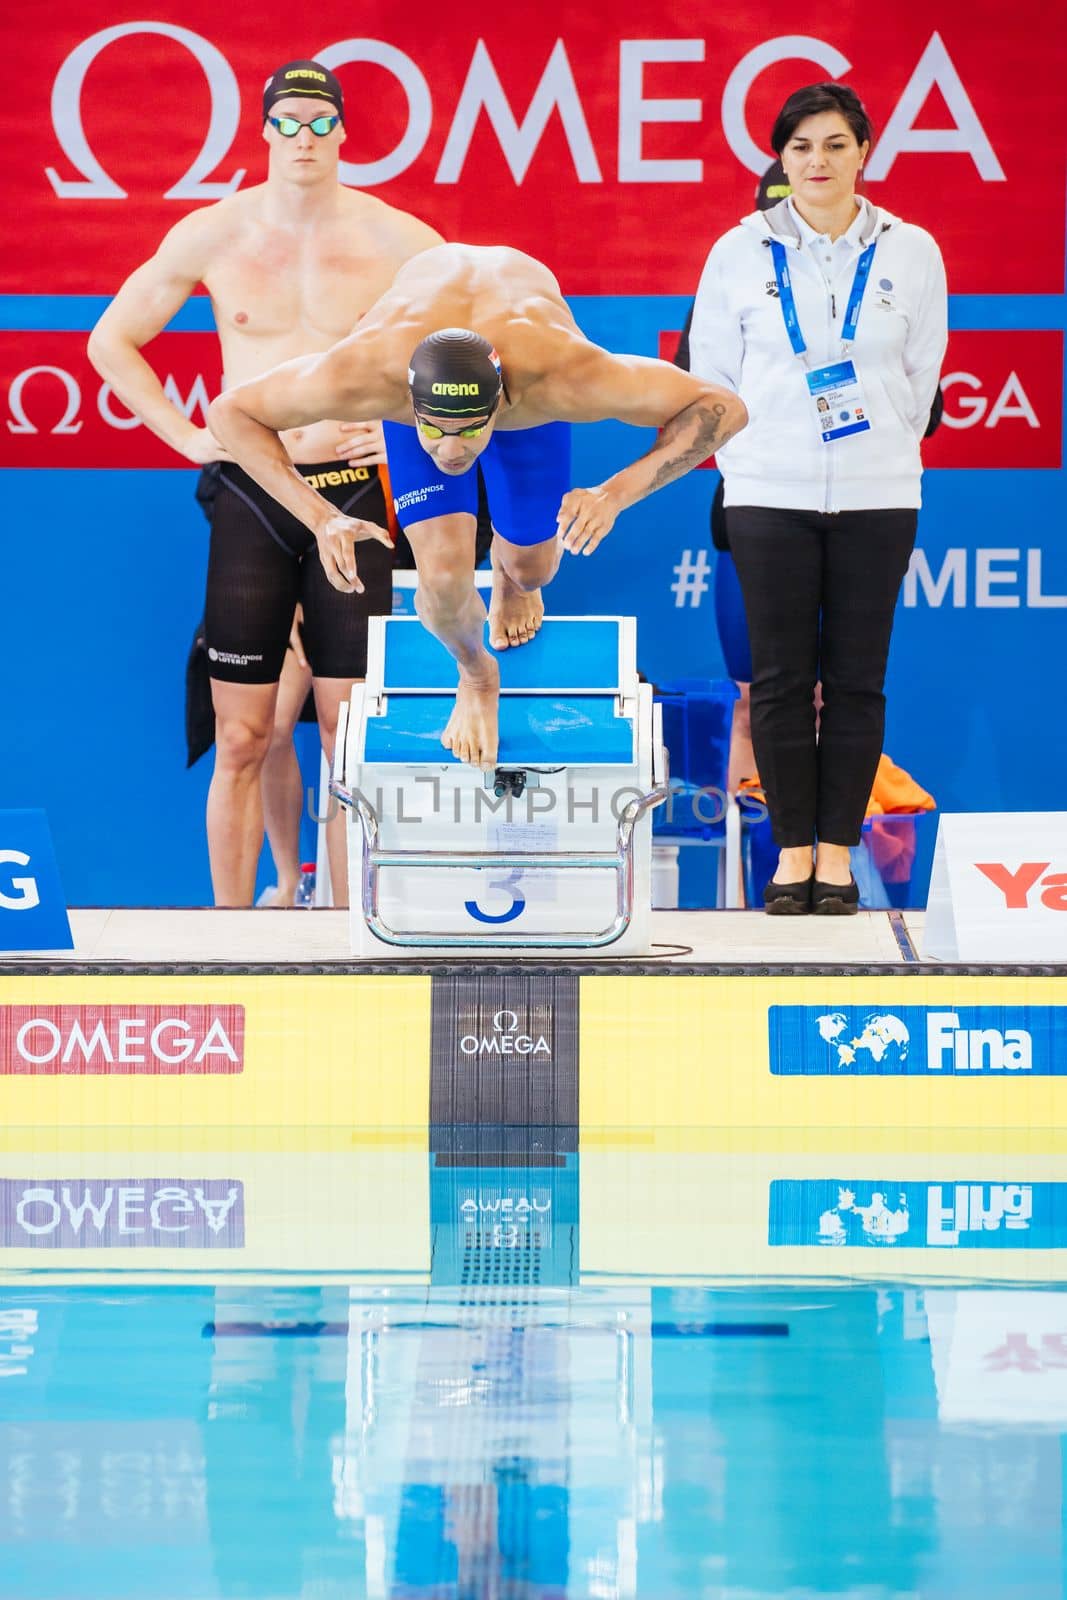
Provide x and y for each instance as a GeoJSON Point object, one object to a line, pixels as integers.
{"type": "Point", "coordinates": [946, 1215]}
{"type": "Point", "coordinates": [33, 910]}
{"type": "Point", "coordinates": [918, 1041]}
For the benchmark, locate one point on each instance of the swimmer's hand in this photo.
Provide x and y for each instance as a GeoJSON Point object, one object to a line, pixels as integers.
{"type": "Point", "coordinates": [362, 444]}
{"type": "Point", "coordinates": [337, 538]}
{"type": "Point", "coordinates": [201, 446]}
{"type": "Point", "coordinates": [585, 517]}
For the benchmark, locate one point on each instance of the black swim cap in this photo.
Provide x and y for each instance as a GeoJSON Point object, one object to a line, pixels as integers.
{"type": "Point", "coordinates": [308, 79]}
{"type": "Point", "coordinates": [455, 373]}
{"type": "Point", "coordinates": [773, 186]}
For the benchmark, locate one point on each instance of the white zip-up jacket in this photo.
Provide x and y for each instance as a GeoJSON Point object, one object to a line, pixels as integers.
{"type": "Point", "coordinates": [738, 339]}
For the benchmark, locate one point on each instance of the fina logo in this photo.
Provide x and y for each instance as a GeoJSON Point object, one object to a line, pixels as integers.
{"type": "Point", "coordinates": [504, 1040]}
{"type": "Point", "coordinates": [884, 1038]}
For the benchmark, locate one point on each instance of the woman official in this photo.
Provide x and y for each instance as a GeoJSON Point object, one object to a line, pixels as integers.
{"type": "Point", "coordinates": [829, 316]}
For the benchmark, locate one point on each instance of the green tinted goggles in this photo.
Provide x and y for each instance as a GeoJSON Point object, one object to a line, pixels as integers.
{"type": "Point", "coordinates": [288, 127]}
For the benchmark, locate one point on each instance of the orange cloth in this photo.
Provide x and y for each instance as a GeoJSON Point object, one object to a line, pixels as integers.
{"type": "Point", "coordinates": [892, 845]}
{"type": "Point", "coordinates": [896, 790]}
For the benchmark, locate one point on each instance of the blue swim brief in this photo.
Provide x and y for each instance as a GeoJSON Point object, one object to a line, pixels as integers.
{"type": "Point", "coordinates": [526, 473]}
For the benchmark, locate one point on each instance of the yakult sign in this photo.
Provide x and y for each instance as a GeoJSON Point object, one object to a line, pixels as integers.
{"type": "Point", "coordinates": [582, 142]}
{"type": "Point", "coordinates": [121, 1041]}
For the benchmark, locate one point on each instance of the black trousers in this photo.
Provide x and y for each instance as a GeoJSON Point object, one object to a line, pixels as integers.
{"type": "Point", "coordinates": [820, 590]}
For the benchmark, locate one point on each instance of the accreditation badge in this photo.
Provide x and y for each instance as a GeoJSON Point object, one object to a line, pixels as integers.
{"type": "Point", "coordinates": [837, 401]}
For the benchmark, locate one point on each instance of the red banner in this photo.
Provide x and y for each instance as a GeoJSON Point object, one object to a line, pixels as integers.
{"type": "Point", "coordinates": [615, 145]}
{"type": "Point", "coordinates": [1003, 401]}
{"type": "Point", "coordinates": [121, 1041]}
{"type": "Point", "coordinates": [58, 412]}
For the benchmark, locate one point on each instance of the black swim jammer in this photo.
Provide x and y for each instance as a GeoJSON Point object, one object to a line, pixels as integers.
{"type": "Point", "coordinates": [263, 561]}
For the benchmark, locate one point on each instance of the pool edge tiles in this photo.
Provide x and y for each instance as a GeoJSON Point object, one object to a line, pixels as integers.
{"type": "Point", "coordinates": [475, 1045]}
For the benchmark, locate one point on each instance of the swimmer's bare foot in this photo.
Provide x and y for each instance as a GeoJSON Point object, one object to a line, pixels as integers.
{"type": "Point", "coordinates": [472, 733]}
{"type": "Point", "coordinates": [514, 615]}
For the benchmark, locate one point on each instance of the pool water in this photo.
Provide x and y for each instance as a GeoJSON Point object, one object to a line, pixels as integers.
{"type": "Point", "coordinates": [510, 1419]}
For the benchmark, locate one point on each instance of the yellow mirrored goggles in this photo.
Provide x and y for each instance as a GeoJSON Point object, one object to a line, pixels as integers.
{"type": "Point", "coordinates": [429, 430]}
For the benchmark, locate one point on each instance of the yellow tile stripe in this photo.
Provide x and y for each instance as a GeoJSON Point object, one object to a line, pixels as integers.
{"type": "Point", "coordinates": [692, 1052]}
{"type": "Point", "coordinates": [307, 1213]}
{"type": "Point", "coordinates": [701, 1215]}
{"type": "Point", "coordinates": [345, 1052]}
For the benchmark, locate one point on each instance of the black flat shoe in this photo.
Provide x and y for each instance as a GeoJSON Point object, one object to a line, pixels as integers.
{"type": "Point", "coordinates": [787, 899]}
{"type": "Point", "coordinates": [835, 899]}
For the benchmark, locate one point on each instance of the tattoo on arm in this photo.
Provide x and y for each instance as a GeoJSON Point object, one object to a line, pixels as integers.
{"type": "Point", "coordinates": [701, 425]}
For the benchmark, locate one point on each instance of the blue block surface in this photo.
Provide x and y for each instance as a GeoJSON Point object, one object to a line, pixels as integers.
{"type": "Point", "coordinates": [534, 730]}
{"type": "Point", "coordinates": [582, 654]}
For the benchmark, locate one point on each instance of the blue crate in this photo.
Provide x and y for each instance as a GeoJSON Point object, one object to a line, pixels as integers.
{"type": "Point", "coordinates": [879, 888]}
{"type": "Point", "coordinates": [697, 718]}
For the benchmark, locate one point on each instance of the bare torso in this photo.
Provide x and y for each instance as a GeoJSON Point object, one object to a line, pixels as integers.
{"type": "Point", "coordinates": [506, 296]}
{"type": "Point", "coordinates": [283, 288]}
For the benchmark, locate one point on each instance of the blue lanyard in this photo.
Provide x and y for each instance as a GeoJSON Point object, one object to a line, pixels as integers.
{"type": "Point", "coordinates": [789, 307]}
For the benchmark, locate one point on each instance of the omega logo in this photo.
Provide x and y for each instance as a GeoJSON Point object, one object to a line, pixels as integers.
{"type": "Point", "coordinates": [95, 184]}
{"type": "Point", "coordinates": [504, 1040]}
{"type": "Point", "coordinates": [519, 134]}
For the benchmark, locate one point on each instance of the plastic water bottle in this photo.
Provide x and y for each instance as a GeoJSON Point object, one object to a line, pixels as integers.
{"type": "Point", "coordinates": [305, 889]}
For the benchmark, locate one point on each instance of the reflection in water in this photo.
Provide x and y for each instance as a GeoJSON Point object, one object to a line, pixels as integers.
{"type": "Point", "coordinates": [506, 1428]}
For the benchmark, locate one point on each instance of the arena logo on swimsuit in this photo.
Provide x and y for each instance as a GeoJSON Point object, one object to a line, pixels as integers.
{"type": "Point", "coordinates": [320, 480]}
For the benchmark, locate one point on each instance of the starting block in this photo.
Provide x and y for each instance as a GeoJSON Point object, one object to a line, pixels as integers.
{"type": "Point", "coordinates": [553, 849]}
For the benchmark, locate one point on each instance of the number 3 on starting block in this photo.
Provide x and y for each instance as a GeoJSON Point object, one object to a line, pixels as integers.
{"type": "Point", "coordinates": [516, 908]}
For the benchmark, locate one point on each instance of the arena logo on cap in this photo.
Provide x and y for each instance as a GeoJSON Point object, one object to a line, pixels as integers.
{"type": "Point", "coordinates": [918, 1041]}
{"type": "Point", "coordinates": [121, 1041]}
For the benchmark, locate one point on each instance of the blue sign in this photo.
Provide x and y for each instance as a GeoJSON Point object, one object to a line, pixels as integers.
{"type": "Point", "coordinates": [946, 1215]}
{"type": "Point", "coordinates": [918, 1041]}
{"type": "Point", "coordinates": [33, 911]}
